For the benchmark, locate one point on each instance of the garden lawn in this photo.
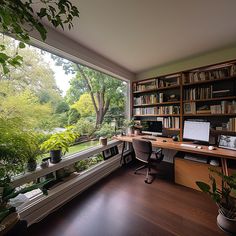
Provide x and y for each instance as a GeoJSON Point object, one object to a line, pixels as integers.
{"type": "Point", "coordinates": [82, 146]}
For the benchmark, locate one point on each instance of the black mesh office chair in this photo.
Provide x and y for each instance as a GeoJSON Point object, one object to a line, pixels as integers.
{"type": "Point", "coordinates": [143, 152]}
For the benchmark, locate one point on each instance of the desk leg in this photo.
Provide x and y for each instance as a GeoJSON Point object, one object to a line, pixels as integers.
{"type": "Point", "coordinates": [122, 153]}
{"type": "Point", "coordinates": [224, 166]}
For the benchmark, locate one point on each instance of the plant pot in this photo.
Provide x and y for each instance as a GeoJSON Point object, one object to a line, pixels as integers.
{"type": "Point", "coordinates": [55, 156]}
{"type": "Point", "coordinates": [130, 130]}
{"type": "Point", "coordinates": [31, 165]}
{"type": "Point", "coordinates": [137, 132]}
{"type": "Point", "coordinates": [226, 224]}
{"type": "Point", "coordinates": [45, 163]}
{"type": "Point", "coordinates": [103, 141]}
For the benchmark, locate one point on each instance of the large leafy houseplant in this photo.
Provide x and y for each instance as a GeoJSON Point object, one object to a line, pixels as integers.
{"type": "Point", "coordinates": [224, 197]}
{"type": "Point", "coordinates": [57, 144]}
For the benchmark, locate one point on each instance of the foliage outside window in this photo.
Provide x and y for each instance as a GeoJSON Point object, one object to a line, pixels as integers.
{"type": "Point", "coordinates": [33, 107]}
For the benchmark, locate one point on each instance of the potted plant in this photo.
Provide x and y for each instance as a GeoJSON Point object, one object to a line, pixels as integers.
{"type": "Point", "coordinates": [130, 125]}
{"type": "Point", "coordinates": [224, 198]}
{"type": "Point", "coordinates": [33, 150]}
{"type": "Point", "coordinates": [58, 144]}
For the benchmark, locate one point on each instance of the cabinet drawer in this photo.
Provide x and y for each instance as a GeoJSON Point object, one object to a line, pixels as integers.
{"type": "Point", "coordinates": [188, 172]}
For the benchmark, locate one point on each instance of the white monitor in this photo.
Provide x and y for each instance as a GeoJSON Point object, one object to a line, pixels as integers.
{"type": "Point", "coordinates": [197, 131]}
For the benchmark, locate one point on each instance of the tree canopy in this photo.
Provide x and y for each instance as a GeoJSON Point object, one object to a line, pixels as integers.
{"type": "Point", "coordinates": [105, 91]}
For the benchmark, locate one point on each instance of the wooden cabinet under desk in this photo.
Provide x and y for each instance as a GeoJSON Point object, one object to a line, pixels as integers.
{"type": "Point", "coordinates": [187, 172]}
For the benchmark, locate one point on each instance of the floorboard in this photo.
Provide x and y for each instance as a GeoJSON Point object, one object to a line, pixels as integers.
{"type": "Point", "coordinates": [123, 205]}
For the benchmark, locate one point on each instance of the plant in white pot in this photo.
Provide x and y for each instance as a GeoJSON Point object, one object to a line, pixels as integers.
{"type": "Point", "coordinates": [224, 197]}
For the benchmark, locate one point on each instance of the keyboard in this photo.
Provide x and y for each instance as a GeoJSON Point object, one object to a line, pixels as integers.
{"type": "Point", "coordinates": [149, 138]}
{"type": "Point", "coordinates": [188, 145]}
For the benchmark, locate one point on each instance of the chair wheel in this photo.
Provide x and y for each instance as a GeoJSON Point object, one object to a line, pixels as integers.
{"type": "Point", "coordinates": [135, 172]}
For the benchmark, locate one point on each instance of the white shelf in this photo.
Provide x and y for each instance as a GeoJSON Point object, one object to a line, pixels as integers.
{"type": "Point", "coordinates": [69, 160]}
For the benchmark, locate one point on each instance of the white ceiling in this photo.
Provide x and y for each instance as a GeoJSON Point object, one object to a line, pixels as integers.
{"type": "Point", "coordinates": [142, 34]}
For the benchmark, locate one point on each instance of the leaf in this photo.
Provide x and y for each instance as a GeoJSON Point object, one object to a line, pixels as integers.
{"type": "Point", "coordinates": [21, 45]}
{"type": "Point", "coordinates": [5, 69]}
{"type": "Point", "coordinates": [203, 186]}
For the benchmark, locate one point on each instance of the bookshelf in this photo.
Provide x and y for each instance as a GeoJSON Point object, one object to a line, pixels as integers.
{"type": "Point", "coordinates": [205, 93]}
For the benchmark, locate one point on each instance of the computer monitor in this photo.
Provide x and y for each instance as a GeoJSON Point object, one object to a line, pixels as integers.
{"type": "Point", "coordinates": [198, 131]}
{"type": "Point", "coordinates": [152, 127]}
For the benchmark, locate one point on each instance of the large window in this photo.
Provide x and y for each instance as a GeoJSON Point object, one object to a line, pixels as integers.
{"type": "Point", "coordinates": [48, 95]}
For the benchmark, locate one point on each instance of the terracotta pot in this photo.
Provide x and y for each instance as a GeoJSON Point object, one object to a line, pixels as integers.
{"type": "Point", "coordinates": [103, 141]}
{"type": "Point", "coordinates": [137, 132]}
{"type": "Point", "coordinates": [226, 224]}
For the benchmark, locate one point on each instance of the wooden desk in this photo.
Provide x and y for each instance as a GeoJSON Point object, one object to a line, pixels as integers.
{"type": "Point", "coordinates": [224, 154]}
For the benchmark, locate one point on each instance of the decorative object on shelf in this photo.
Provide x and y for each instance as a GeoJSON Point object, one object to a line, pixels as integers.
{"type": "Point", "coordinates": [190, 108]}
{"type": "Point", "coordinates": [58, 144]}
{"type": "Point", "coordinates": [175, 138]}
{"type": "Point", "coordinates": [222, 196]}
{"type": "Point", "coordinates": [45, 163]}
{"type": "Point", "coordinates": [103, 141]}
{"type": "Point", "coordinates": [110, 152]}
{"type": "Point", "coordinates": [228, 142]}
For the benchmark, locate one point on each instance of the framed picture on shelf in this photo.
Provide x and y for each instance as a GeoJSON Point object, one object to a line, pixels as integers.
{"type": "Point", "coordinates": [228, 142]}
{"type": "Point", "coordinates": [110, 152]}
{"type": "Point", "coordinates": [107, 154]}
{"type": "Point", "coordinates": [190, 108]}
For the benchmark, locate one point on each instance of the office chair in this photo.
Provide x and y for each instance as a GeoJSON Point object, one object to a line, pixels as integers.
{"type": "Point", "coordinates": [143, 152]}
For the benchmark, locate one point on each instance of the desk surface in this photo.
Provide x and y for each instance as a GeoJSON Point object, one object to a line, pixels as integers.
{"type": "Point", "coordinates": [170, 144]}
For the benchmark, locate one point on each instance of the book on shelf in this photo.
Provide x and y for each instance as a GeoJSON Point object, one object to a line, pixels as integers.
{"type": "Point", "coordinates": [231, 125]}
{"type": "Point", "coordinates": [225, 107]}
{"type": "Point", "coordinates": [146, 99]}
{"type": "Point", "coordinates": [171, 122]}
{"type": "Point", "coordinates": [198, 93]}
{"type": "Point", "coordinates": [210, 73]}
{"type": "Point", "coordinates": [221, 93]}
{"type": "Point", "coordinates": [144, 85]}
{"type": "Point", "coordinates": [161, 110]}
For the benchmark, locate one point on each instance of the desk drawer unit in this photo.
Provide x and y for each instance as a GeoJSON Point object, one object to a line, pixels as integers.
{"type": "Point", "coordinates": [188, 172]}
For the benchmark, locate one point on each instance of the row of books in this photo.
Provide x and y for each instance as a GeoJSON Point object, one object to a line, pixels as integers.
{"type": "Point", "coordinates": [225, 107]}
{"type": "Point", "coordinates": [157, 83]}
{"type": "Point", "coordinates": [198, 93]}
{"type": "Point", "coordinates": [142, 86]}
{"type": "Point", "coordinates": [146, 99]}
{"type": "Point", "coordinates": [149, 99]}
{"type": "Point", "coordinates": [162, 110]}
{"type": "Point", "coordinates": [171, 122]}
{"type": "Point", "coordinates": [211, 73]}
{"type": "Point", "coordinates": [231, 125]}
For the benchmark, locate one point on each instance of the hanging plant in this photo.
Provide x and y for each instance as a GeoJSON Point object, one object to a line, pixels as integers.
{"type": "Point", "coordinates": [18, 18]}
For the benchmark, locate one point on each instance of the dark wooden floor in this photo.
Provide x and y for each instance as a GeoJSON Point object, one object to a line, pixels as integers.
{"type": "Point", "coordinates": [123, 205]}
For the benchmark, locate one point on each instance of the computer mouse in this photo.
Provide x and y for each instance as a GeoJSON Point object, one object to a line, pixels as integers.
{"type": "Point", "coordinates": [211, 148]}
{"type": "Point", "coordinates": [164, 141]}
{"type": "Point", "coordinates": [199, 147]}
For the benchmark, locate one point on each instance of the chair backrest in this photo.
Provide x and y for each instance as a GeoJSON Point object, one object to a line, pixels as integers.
{"type": "Point", "coordinates": [142, 149]}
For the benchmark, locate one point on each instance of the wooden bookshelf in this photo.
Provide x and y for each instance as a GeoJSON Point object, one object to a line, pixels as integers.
{"type": "Point", "coordinates": [217, 77]}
